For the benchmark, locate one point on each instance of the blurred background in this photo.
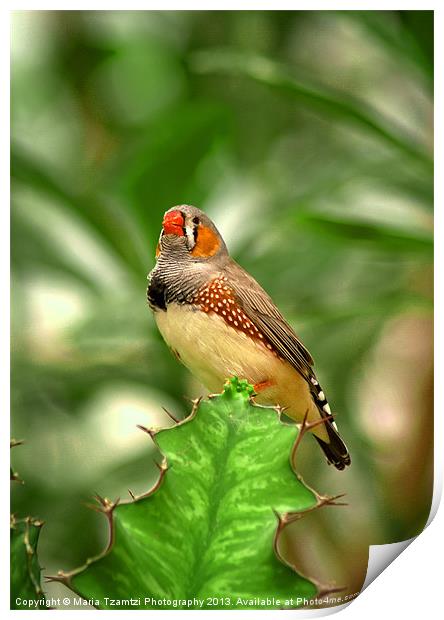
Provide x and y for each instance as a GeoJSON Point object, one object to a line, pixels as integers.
{"type": "Point", "coordinates": [307, 137]}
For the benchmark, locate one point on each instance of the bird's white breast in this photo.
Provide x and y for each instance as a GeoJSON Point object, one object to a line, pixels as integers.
{"type": "Point", "coordinates": [214, 351]}
{"type": "Point", "coordinates": [211, 349]}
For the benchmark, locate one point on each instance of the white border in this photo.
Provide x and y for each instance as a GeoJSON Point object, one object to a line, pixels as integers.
{"type": "Point", "coordinates": [229, 5]}
{"type": "Point", "coordinates": [417, 569]}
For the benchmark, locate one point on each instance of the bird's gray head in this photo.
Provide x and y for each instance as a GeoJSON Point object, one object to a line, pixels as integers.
{"type": "Point", "coordinates": [189, 232]}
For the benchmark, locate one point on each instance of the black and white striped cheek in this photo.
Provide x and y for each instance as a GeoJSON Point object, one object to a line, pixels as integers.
{"type": "Point", "coordinates": [191, 235]}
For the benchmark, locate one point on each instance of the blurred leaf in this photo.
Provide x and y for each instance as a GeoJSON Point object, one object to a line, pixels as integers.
{"type": "Point", "coordinates": [420, 25]}
{"type": "Point", "coordinates": [407, 34]}
{"type": "Point", "coordinates": [158, 170]}
{"type": "Point", "coordinates": [329, 103]}
{"type": "Point", "coordinates": [32, 251]}
{"type": "Point", "coordinates": [383, 237]}
{"type": "Point", "coordinates": [110, 225]}
{"type": "Point", "coordinates": [208, 528]}
{"type": "Point", "coordinates": [56, 387]}
{"type": "Point", "coordinates": [139, 79]}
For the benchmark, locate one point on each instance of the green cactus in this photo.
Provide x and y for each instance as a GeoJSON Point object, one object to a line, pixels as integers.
{"type": "Point", "coordinates": [25, 569]}
{"type": "Point", "coordinates": [208, 533]}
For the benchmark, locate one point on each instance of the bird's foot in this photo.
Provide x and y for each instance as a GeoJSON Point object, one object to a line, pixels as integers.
{"type": "Point", "coordinates": [262, 385]}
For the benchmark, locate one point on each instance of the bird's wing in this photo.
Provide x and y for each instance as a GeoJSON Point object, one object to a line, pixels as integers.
{"type": "Point", "coordinates": [261, 311]}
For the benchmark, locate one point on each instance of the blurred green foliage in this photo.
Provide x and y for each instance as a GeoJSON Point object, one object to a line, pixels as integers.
{"type": "Point", "coordinates": [307, 136]}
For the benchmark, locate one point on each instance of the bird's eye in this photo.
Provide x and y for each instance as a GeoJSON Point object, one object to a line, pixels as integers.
{"type": "Point", "coordinates": [195, 220]}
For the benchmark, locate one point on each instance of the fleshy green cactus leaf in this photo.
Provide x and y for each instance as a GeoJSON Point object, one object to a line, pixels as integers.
{"type": "Point", "coordinates": [25, 569]}
{"type": "Point", "coordinates": [208, 534]}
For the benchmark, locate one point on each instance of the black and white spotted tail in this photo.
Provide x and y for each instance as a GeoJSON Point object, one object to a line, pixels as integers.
{"type": "Point", "coordinates": [336, 450]}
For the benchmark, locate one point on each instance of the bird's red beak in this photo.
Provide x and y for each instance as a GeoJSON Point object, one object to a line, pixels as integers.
{"type": "Point", "coordinates": [173, 223]}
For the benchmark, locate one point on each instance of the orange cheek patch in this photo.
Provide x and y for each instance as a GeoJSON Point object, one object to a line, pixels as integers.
{"type": "Point", "coordinates": [157, 250]}
{"type": "Point", "coordinates": [207, 243]}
